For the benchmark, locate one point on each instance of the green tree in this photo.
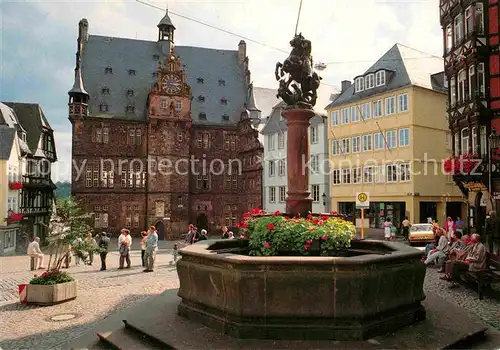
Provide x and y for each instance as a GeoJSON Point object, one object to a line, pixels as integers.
{"type": "Point", "coordinates": [67, 222]}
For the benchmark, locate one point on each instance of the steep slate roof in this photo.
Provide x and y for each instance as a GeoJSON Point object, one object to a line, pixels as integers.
{"type": "Point", "coordinates": [123, 55]}
{"type": "Point", "coordinates": [7, 135]}
{"type": "Point", "coordinates": [32, 119]}
{"type": "Point", "coordinates": [410, 67]}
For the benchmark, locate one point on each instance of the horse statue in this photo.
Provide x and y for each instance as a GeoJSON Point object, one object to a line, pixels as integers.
{"type": "Point", "coordinates": [297, 70]}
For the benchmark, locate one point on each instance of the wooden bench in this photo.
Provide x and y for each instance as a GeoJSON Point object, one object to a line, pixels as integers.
{"type": "Point", "coordinates": [488, 276]}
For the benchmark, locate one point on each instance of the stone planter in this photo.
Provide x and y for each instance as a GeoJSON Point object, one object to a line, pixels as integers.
{"type": "Point", "coordinates": [374, 289]}
{"type": "Point", "coordinates": [51, 294]}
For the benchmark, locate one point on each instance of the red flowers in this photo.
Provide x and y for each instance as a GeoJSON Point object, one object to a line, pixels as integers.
{"type": "Point", "coordinates": [465, 164]}
{"type": "Point", "coordinates": [276, 213]}
{"type": "Point", "coordinates": [324, 237]}
{"type": "Point", "coordinates": [267, 245]}
{"type": "Point", "coordinates": [324, 218]}
{"type": "Point", "coordinates": [270, 227]}
{"type": "Point", "coordinates": [333, 212]}
{"type": "Point", "coordinates": [15, 185]}
{"type": "Point", "coordinates": [257, 212]}
{"type": "Point", "coordinates": [35, 276]}
{"type": "Point", "coordinates": [14, 217]}
{"type": "Point", "coordinates": [244, 225]}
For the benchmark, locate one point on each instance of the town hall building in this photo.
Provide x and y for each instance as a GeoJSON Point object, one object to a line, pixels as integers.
{"type": "Point", "coordinates": [163, 135]}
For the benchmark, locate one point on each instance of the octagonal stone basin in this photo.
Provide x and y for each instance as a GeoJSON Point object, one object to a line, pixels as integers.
{"type": "Point", "coordinates": [375, 289]}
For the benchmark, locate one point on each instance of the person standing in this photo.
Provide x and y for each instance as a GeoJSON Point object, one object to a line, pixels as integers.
{"type": "Point", "coordinates": [151, 248]}
{"type": "Point", "coordinates": [190, 234]}
{"type": "Point", "coordinates": [387, 229]}
{"type": "Point", "coordinates": [104, 245]}
{"type": "Point", "coordinates": [91, 244]}
{"type": "Point", "coordinates": [35, 252]}
{"type": "Point", "coordinates": [449, 227]}
{"type": "Point", "coordinates": [76, 246]}
{"type": "Point", "coordinates": [124, 246]}
{"type": "Point", "coordinates": [144, 235]}
{"type": "Point", "coordinates": [406, 227]}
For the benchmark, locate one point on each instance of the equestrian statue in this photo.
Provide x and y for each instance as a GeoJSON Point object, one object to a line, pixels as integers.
{"type": "Point", "coordinates": [298, 83]}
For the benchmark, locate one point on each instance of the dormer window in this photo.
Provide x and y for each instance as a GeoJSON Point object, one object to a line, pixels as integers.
{"type": "Point", "coordinates": [154, 74]}
{"type": "Point", "coordinates": [156, 56]}
{"type": "Point", "coordinates": [201, 98]}
{"type": "Point", "coordinates": [202, 116]}
{"type": "Point", "coordinates": [222, 82]}
{"type": "Point", "coordinates": [131, 72]}
{"type": "Point", "coordinates": [223, 101]}
{"type": "Point", "coordinates": [105, 91]}
{"type": "Point", "coordinates": [225, 117]}
{"type": "Point", "coordinates": [130, 93]}
{"type": "Point", "coordinates": [200, 80]}
{"type": "Point", "coordinates": [23, 136]}
{"type": "Point", "coordinates": [380, 78]}
{"type": "Point", "coordinates": [103, 107]}
{"type": "Point", "coordinates": [369, 81]}
{"type": "Point", "coordinates": [130, 108]}
{"type": "Point", "coordinates": [108, 70]}
{"type": "Point", "coordinates": [359, 84]}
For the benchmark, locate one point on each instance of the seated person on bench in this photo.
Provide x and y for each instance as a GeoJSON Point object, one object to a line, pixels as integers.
{"type": "Point", "coordinates": [474, 262]}
{"type": "Point", "coordinates": [439, 253]}
{"type": "Point", "coordinates": [35, 252]}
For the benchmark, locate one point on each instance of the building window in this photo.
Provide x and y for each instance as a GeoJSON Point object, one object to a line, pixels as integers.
{"type": "Point", "coordinates": [282, 194]}
{"type": "Point", "coordinates": [160, 209]}
{"type": "Point", "coordinates": [465, 140]}
{"type": "Point", "coordinates": [459, 31]}
{"type": "Point", "coordinates": [462, 86]}
{"type": "Point", "coordinates": [108, 70]}
{"type": "Point", "coordinates": [180, 137]}
{"type": "Point", "coordinates": [480, 78]}
{"type": "Point", "coordinates": [346, 176]}
{"type": "Point", "coordinates": [200, 80]}
{"type": "Point", "coordinates": [391, 139]}
{"type": "Point", "coordinates": [474, 140]}
{"type": "Point", "coordinates": [356, 175]}
{"type": "Point", "coordinates": [354, 114]}
{"type": "Point", "coordinates": [201, 98]}
{"type": "Point", "coordinates": [131, 72]}
{"type": "Point", "coordinates": [272, 194]}
{"type": "Point", "coordinates": [336, 177]}
{"type": "Point", "coordinates": [345, 146]}
{"type": "Point", "coordinates": [314, 134]}
{"type": "Point", "coordinates": [203, 182]}
{"type": "Point", "coordinates": [402, 103]}
{"type": "Point", "coordinates": [369, 81]}
{"type": "Point", "coordinates": [136, 220]}
{"type": "Point", "coordinates": [270, 142]}
{"type": "Point", "coordinates": [345, 116]}
{"type": "Point", "coordinates": [359, 84]}
{"type": "Point", "coordinates": [314, 159]}
{"type": "Point", "coordinates": [103, 107]}
{"type": "Point", "coordinates": [281, 168]}
{"type": "Point", "coordinates": [107, 176]}
{"type": "Point", "coordinates": [392, 173]}
{"type": "Point", "coordinates": [130, 93]}
{"type": "Point", "coordinates": [281, 140]}
{"type": "Point", "coordinates": [356, 144]}
{"type": "Point", "coordinates": [223, 101]}
{"type": "Point", "coordinates": [469, 21]}
{"type": "Point", "coordinates": [482, 139]}
{"type": "Point", "coordinates": [380, 78]}
{"type": "Point", "coordinates": [390, 105]}
{"type": "Point", "coordinates": [479, 18]}
{"type": "Point", "coordinates": [154, 74]}
{"type": "Point", "coordinates": [95, 175]}
{"type": "Point", "coordinates": [222, 82]}
{"type": "Point", "coordinates": [378, 141]}
{"type": "Point", "coordinates": [335, 118]}
{"type": "Point", "coordinates": [367, 143]}
{"type": "Point", "coordinates": [315, 193]}
{"type": "Point", "coordinates": [404, 172]}
{"type": "Point", "coordinates": [123, 175]}
{"type": "Point", "coordinates": [130, 109]}
{"type": "Point", "coordinates": [453, 91]}
{"type": "Point", "coordinates": [472, 86]}
{"type": "Point", "coordinates": [377, 109]}
{"type": "Point", "coordinates": [156, 56]}
{"type": "Point", "coordinates": [335, 147]}
{"type": "Point", "coordinates": [449, 38]}
{"type": "Point", "coordinates": [202, 116]}
{"type": "Point", "coordinates": [404, 137]}
{"type": "Point", "coordinates": [178, 106]}
{"type": "Point", "coordinates": [105, 91]}
{"type": "Point", "coordinates": [164, 103]}
{"type": "Point", "coordinates": [205, 140]}
{"type": "Point", "coordinates": [368, 175]}
{"type": "Point", "coordinates": [367, 111]}
{"type": "Point", "coordinates": [379, 173]}
{"type": "Point", "coordinates": [225, 117]}
{"type": "Point", "coordinates": [457, 144]}
{"type": "Point", "coordinates": [271, 168]}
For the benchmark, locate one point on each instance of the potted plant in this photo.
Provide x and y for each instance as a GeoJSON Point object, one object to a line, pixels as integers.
{"type": "Point", "coordinates": [15, 185]}
{"type": "Point", "coordinates": [55, 286]}
{"type": "Point", "coordinates": [272, 235]}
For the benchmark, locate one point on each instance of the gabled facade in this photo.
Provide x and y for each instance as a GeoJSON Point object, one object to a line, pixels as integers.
{"type": "Point", "coordinates": [388, 135]}
{"type": "Point", "coordinates": [37, 148]}
{"type": "Point", "coordinates": [275, 177]}
{"type": "Point", "coordinates": [472, 67]}
{"type": "Point", "coordinates": [163, 135]}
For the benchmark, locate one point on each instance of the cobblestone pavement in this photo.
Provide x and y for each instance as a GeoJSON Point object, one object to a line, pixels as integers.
{"type": "Point", "coordinates": [103, 293]}
{"type": "Point", "coordinates": [99, 294]}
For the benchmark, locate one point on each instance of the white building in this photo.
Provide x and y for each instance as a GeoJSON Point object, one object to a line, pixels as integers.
{"type": "Point", "coordinates": [275, 179]}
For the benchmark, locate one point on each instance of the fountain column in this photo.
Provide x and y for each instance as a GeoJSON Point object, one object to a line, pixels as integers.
{"type": "Point", "coordinates": [299, 201]}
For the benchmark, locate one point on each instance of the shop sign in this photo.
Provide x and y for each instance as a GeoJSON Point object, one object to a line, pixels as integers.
{"type": "Point", "coordinates": [362, 200]}
{"type": "Point", "coordinates": [475, 186]}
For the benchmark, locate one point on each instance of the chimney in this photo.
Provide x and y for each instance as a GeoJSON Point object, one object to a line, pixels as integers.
{"type": "Point", "coordinates": [83, 30]}
{"type": "Point", "coordinates": [242, 51]}
{"type": "Point", "coordinates": [346, 84]}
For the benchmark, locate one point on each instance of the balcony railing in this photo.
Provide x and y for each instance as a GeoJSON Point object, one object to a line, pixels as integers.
{"type": "Point", "coordinates": [36, 180]}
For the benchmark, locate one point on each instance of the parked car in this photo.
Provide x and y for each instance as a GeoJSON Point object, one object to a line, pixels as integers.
{"type": "Point", "coordinates": [421, 233]}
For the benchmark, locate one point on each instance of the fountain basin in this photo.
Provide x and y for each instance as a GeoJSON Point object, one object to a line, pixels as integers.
{"type": "Point", "coordinates": [376, 290]}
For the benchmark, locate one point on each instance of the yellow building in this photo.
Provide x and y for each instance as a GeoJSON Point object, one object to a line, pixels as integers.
{"type": "Point", "coordinates": [388, 135]}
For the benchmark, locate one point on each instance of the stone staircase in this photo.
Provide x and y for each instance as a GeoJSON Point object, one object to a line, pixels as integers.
{"type": "Point", "coordinates": [129, 338]}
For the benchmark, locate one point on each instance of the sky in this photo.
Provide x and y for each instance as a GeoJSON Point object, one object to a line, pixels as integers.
{"type": "Point", "coordinates": [38, 40]}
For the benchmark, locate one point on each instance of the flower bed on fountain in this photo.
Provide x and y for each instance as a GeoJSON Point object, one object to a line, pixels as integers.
{"type": "Point", "coordinates": [301, 278]}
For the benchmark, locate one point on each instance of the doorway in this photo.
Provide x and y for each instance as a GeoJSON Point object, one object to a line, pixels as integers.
{"type": "Point", "coordinates": [454, 210]}
{"type": "Point", "coordinates": [202, 222]}
{"type": "Point", "coordinates": [160, 229]}
{"type": "Point", "coordinates": [428, 210]}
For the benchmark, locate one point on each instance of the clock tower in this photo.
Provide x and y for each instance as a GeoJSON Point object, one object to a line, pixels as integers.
{"type": "Point", "coordinates": [168, 147]}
